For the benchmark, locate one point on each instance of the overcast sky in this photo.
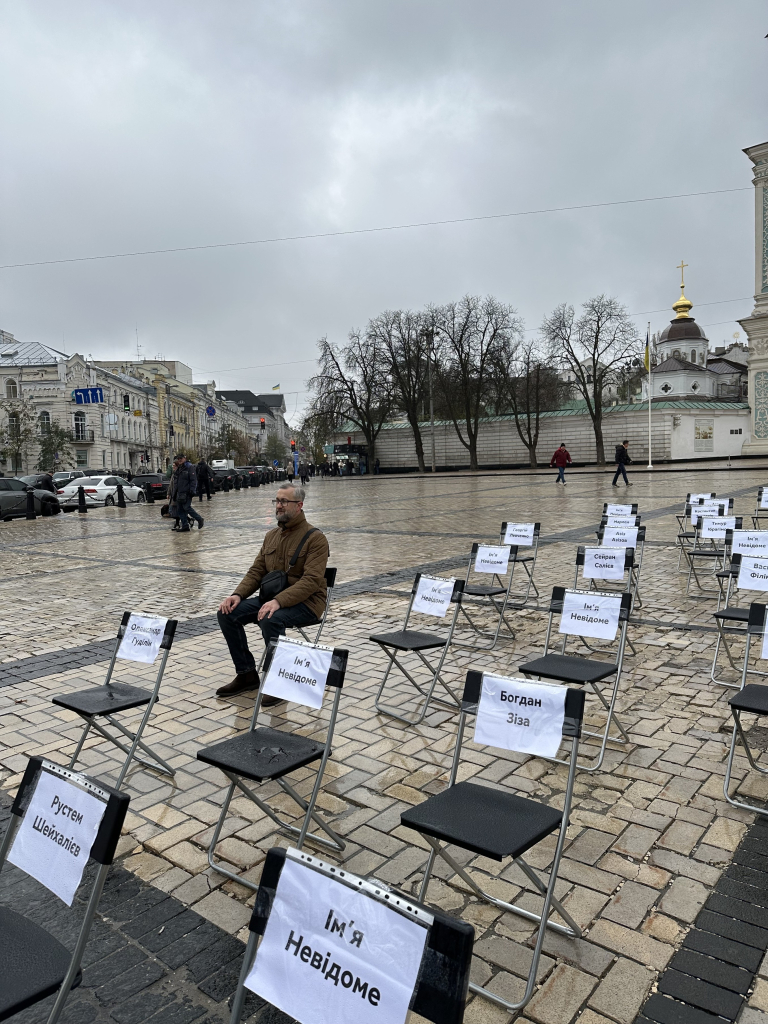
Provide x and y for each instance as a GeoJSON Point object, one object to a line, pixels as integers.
{"type": "Point", "coordinates": [143, 125]}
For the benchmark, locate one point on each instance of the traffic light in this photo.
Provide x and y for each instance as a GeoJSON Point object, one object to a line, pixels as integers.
{"type": "Point", "coordinates": [349, 440]}
{"type": "Point", "coordinates": [293, 446]}
{"type": "Point", "coordinates": [126, 403]}
{"type": "Point", "coordinates": [263, 424]}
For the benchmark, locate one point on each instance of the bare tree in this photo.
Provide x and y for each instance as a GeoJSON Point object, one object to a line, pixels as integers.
{"type": "Point", "coordinates": [526, 385]}
{"type": "Point", "coordinates": [401, 336]}
{"type": "Point", "coordinates": [354, 385]}
{"type": "Point", "coordinates": [590, 349]}
{"type": "Point", "coordinates": [472, 336]}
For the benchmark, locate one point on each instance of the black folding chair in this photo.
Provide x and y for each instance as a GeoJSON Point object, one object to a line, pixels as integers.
{"type": "Point", "coordinates": [112, 698]}
{"type": "Point", "coordinates": [577, 670]}
{"type": "Point", "coordinates": [632, 538]}
{"type": "Point", "coordinates": [731, 619]}
{"type": "Point", "coordinates": [443, 977]}
{"type": "Point", "coordinates": [411, 641]}
{"type": "Point", "coordinates": [751, 699]}
{"type": "Point", "coordinates": [263, 754]}
{"type": "Point", "coordinates": [498, 824]}
{"type": "Point", "coordinates": [330, 583]}
{"type": "Point", "coordinates": [612, 508]}
{"type": "Point", "coordinates": [35, 965]}
{"type": "Point", "coordinates": [708, 551]}
{"type": "Point", "coordinates": [494, 595]}
{"type": "Point", "coordinates": [525, 544]}
{"type": "Point", "coordinates": [761, 507]}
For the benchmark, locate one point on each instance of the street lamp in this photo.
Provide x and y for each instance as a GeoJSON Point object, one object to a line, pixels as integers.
{"type": "Point", "coordinates": [429, 333]}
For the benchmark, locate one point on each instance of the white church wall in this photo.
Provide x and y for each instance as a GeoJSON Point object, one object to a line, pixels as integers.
{"type": "Point", "coordinates": [702, 434]}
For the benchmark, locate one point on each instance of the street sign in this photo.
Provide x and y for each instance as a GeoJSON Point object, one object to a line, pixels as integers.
{"type": "Point", "coordinates": [88, 396]}
{"type": "Point", "coordinates": [275, 462]}
{"type": "Point", "coordinates": [210, 411]}
{"type": "Point", "coordinates": [328, 449]}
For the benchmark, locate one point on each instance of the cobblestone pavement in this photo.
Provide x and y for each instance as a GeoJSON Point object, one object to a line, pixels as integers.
{"type": "Point", "coordinates": [650, 833]}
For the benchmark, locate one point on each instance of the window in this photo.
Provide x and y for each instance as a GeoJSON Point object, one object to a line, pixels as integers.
{"type": "Point", "coordinates": [737, 431]}
{"type": "Point", "coordinates": [81, 455]}
{"type": "Point", "coordinates": [44, 423]}
{"type": "Point", "coordinates": [104, 457]}
{"type": "Point", "coordinates": [14, 425]}
{"type": "Point", "coordinates": [693, 355]}
{"type": "Point", "coordinates": [676, 353]}
{"type": "Point", "coordinates": [11, 389]}
{"type": "Point", "coordinates": [79, 427]}
{"type": "Point", "coordinates": [703, 435]}
{"type": "Point", "coordinates": [103, 431]}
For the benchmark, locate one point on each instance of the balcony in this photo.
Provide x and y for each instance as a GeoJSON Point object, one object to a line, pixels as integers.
{"type": "Point", "coordinates": [81, 435]}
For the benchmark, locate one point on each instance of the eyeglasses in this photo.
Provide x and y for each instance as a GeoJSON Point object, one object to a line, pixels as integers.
{"type": "Point", "coordinates": [281, 501]}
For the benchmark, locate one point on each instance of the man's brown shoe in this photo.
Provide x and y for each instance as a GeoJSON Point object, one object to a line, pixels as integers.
{"type": "Point", "coordinates": [269, 702]}
{"type": "Point", "coordinates": [242, 682]}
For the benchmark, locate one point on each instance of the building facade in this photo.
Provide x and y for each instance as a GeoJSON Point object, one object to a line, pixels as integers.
{"type": "Point", "coordinates": [756, 324]}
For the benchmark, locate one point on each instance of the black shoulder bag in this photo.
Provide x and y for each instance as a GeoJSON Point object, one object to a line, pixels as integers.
{"type": "Point", "coordinates": [276, 582]}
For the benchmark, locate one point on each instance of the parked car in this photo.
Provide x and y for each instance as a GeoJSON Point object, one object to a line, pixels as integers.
{"type": "Point", "coordinates": [218, 476]}
{"type": "Point", "coordinates": [13, 500]}
{"type": "Point", "coordinates": [63, 478]}
{"type": "Point", "coordinates": [158, 483]}
{"type": "Point", "coordinates": [100, 490]}
{"type": "Point", "coordinates": [251, 475]}
{"type": "Point", "coordinates": [34, 480]}
{"type": "Point", "coordinates": [267, 473]}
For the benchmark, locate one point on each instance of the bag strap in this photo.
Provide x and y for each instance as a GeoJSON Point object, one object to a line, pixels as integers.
{"type": "Point", "coordinates": [301, 545]}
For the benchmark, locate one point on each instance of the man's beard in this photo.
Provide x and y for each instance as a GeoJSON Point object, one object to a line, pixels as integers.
{"type": "Point", "coordinates": [283, 518]}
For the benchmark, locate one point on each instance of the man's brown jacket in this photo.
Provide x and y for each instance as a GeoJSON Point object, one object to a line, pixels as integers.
{"type": "Point", "coordinates": [306, 579]}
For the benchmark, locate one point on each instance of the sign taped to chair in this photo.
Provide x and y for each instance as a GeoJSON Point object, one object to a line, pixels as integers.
{"type": "Point", "coordinates": [433, 596]}
{"type": "Point", "coordinates": [516, 714]}
{"type": "Point", "coordinates": [620, 536]}
{"type": "Point", "coordinates": [750, 542]}
{"type": "Point", "coordinates": [694, 498]}
{"type": "Point", "coordinates": [714, 527]}
{"type": "Point", "coordinates": [603, 563]}
{"type": "Point", "coordinates": [764, 498]}
{"type": "Point", "coordinates": [621, 521]}
{"type": "Point", "coordinates": [334, 955]}
{"type": "Point", "coordinates": [520, 534]}
{"type": "Point", "coordinates": [701, 512]}
{"type": "Point", "coordinates": [142, 639]}
{"type": "Point", "coordinates": [56, 834]}
{"type": "Point", "coordinates": [492, 559]}
{"type": "Point", "coordinates": [753, 573]}
{"type": "Point", "coordinates": [595, 615]}
{"type": "Point", "coordinates": [298, 673]}
{"type": "Point", "coordinates": [618, 510]}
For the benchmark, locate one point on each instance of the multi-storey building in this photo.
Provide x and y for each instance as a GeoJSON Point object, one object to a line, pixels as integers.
{"type": "Point", "coordinates": [261, 411]}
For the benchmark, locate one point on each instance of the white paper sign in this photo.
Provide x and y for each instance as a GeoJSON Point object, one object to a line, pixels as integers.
{"type": "Point", "coordinates": [298, 673]}
{"type": "Point", "coordinates": [595, 615]}
{"type": "Point", "coordinates": [753, 573]}
{"type": "Point", "coordinates": [620, 520]}
{"type": "Point", "coordinates": [520, 534]}
{"type": "Point", "coordinates": [492, 559]}
{"type": "Point", "coordinates": [515, 714]}
{"type": "Point", "coordinates": [55, 837]}
{"type": "Point", "coordinates": [618, 510]}
{"type": "Point", "coordinates": [702, 512]}
{"type": "Point", "coordinates": [433, 596]}
{"type": "Point", "coordinates": [750, 542]}
{"type": "Point", "coordinates": [764, 648]}
{"type": "Point", "coordinates": [332, 955]}
{"type": "Point", "coordinates": [603, 564]}
{"type": "Point", "coordinates": [714, 527]}
{"type": "Point", "coordinates": [693, 498]}
{"type": "Point", "coordinates": [620, 537]}
{"type": "Point", "coordinates": [764, 498]}
{"type": "Point", "coordinates": [142, 639]}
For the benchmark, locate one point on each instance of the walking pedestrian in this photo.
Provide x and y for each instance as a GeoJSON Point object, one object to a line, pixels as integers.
{"type": "Point", "coordinates": [376, 467]}
{"type": "Point", "coordinates": [303, 473]}
{"type": "Point", "coordinates": [182, 490]}
{"type": "Point", "coordinates": [622, 460]}
{"type": "Point", "coordinates": [203, 471]}
{"type": "Point", "coordinates": [561, 459]}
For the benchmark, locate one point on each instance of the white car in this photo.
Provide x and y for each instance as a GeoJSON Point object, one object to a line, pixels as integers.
{"type": "Point", "coordinates": [100, 490]}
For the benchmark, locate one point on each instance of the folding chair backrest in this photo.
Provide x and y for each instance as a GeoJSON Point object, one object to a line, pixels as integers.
{"type": "Point", "coordinates": [753, 543]}
{"type": "Point", "coordinates": [762, 499]}
{"type": "Point", "coordinates": [611, 508]}
{"type": "Point", "coordinates": [491, 559]}
{"type": "Point", "coordinates": [590, 613]}
{"type": "Point", "coordinates": [301, 672]}
{"type": "Point", "coordinates": [620, 521]}
{"type": "Point", "coordinates": [718, 527]}
{"type": "Point", "coordinates": [693, 499]}
{"type": "Point", "coordinates": [138, 639]}
{"type": "Point", "coordinates": [702, 511]}
{"type": "Point", "coordinates": [603, 563]}
{"type": "Point", "coordinates": [437, 947]}
{"type": "Point", "coordinates": [621, 536]}
{"type": "Point", "coordinates": [523, 535]}
{"type": "Point", "coordinates": [749, 572]}
{"type": "Point", "coordinates": [756, 621]}
{"type": "Point", "coordinates": [330, 578]}
{"type": "Point", "coordinates": [433, 595]}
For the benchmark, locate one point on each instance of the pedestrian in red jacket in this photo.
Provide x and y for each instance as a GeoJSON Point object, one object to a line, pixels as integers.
{"type": "Point", "coordinates": [561, 459]}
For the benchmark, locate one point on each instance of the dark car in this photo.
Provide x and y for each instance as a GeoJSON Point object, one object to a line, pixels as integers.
{"type": "Point", "coordinates": [219, 476]}
{"type": "Point", "coordinates": [158, 484]}
{"type": "Point", "coordinates": [65, 477]}
{"type": "Point", "coordinates": [251, 475]}
{"type": "Point", "coordinates": [34, 480]}
{"type": "Point", "coordinates": [13, 500]}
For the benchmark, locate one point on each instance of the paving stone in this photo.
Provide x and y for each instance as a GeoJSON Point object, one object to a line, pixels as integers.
{"type": "Point", "coordinates": [622, 992]}
{"type": "Point", "coordinates": [700, 994]}
{"type": "Point", "coordinates": [590, 846]}
{"type": "Point", "coordinates": [561, 996]}
{"type": "Point", "coordinates": [724, 975]}
{"type": "Point", "coordinates": [631, 944]}
{"type": "Point", "coordinates": [681, 837]}
{"type": "Point", "coordinates": [636, 841]}
{"type": "Point", "coordinates": [224, 912]}
{"type": "Point", "coordinates": [630, 904]}
{"type": "Point", "coordinates": [683, 899]}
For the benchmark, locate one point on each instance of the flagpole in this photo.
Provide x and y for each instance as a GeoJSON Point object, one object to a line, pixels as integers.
{"type": "Point", "coordinates": [650, 391]}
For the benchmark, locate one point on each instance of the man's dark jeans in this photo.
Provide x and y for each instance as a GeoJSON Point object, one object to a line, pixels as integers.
{"type": "Point", "coordinates": [621, 469]}
{"type": "Point", "coordinates": [232, 626]}
{"type": "Point", "coordinates": [185, 509]}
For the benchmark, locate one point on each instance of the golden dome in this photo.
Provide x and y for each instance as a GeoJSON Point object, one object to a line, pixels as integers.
{"type": "Point", "coordinates": [682, 307]}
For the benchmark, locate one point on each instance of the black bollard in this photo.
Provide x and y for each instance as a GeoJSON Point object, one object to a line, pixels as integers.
{"type": "Point", "coordinates": [81, 506]}
{"type": "Point", "coordinates": [227, 485]}
{"type": "Point", "coordinates": [238, 483]}
{"type": "Point", "coordinates": [120, 496]}
{"type": "Point", "coordinates": [149, 494]}
{"type": "Point", "coordinates": [31, 503]}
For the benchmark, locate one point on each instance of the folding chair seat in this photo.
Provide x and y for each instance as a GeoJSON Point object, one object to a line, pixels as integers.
{"type": "Point", "coordinates": [587, 614]}
{"type": "Point", "coordinates": [496, 562]}
{"type": "Point", "coordinates": [437, 978]}
{"type": "Point", "coordinates": [430, 595]}
{"type": "Point", "coordinates": [264, 754]}
{"type": "Point", "coordinates": [112, 697]}
{"type": "Point", "coordinates": [330, 583]}
{"type": "Point", "coordinates": [35, 965]}
{"type": "Point", "coordinates": [751, 699]}
{"type": "Point", "coordinates": [494, 822]}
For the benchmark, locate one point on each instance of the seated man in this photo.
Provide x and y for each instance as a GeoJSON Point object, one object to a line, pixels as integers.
{"type": "Point", "coordinates": [302, 603]}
